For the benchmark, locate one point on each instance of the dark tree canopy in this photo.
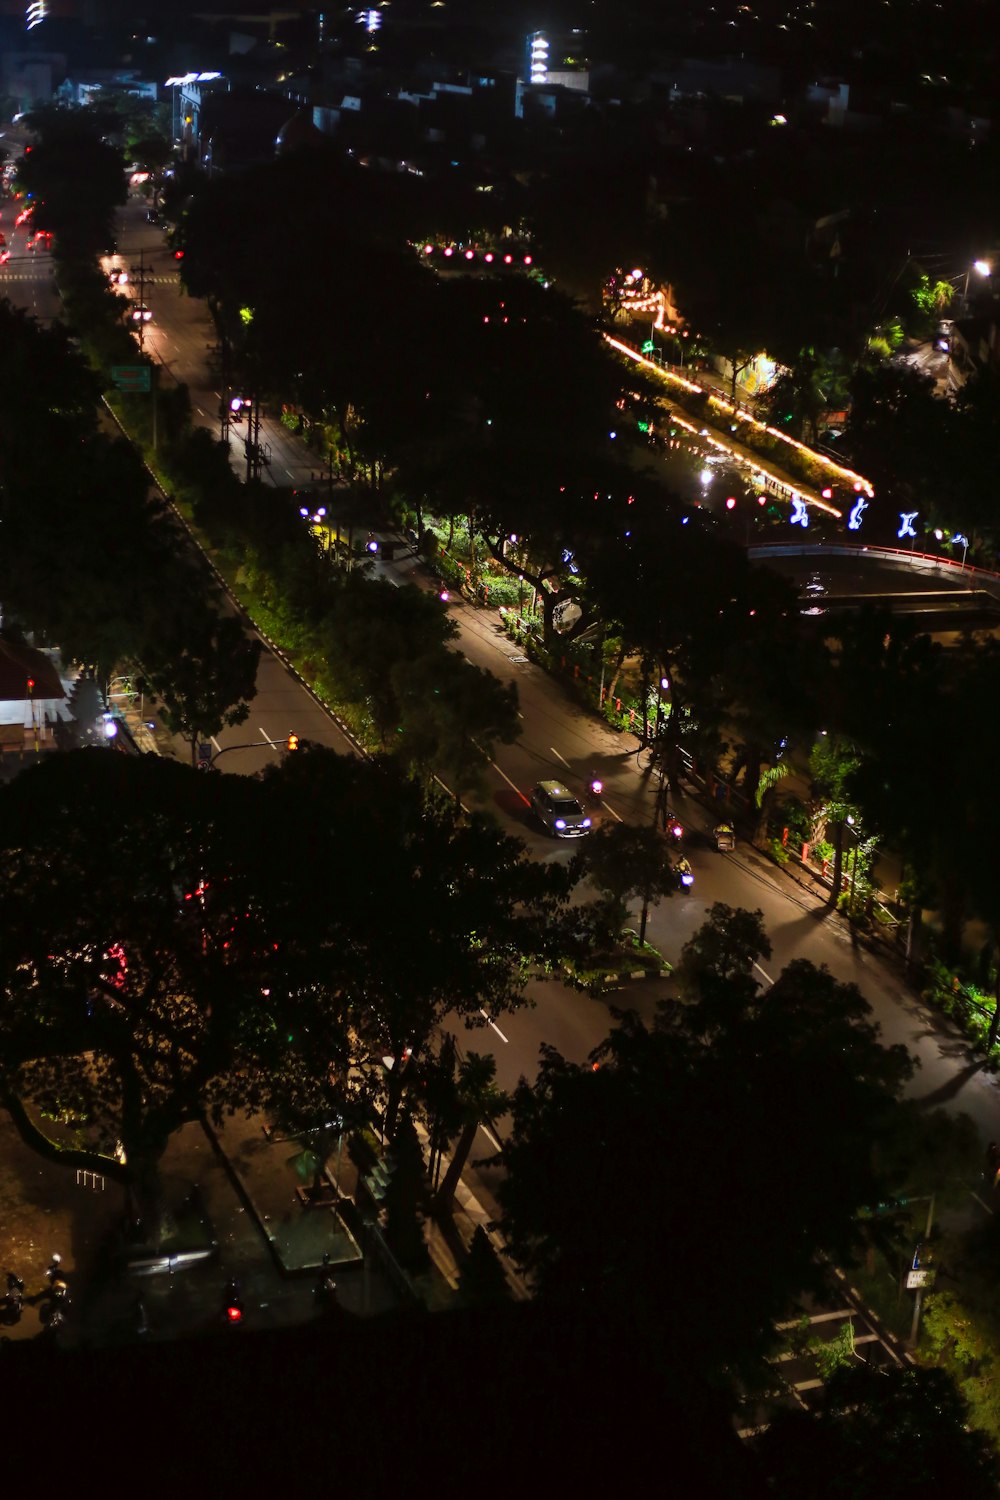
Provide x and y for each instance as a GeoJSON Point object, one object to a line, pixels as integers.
{"type": "Point", "coordinates": [878, 1433]}
{"type": "Point", "coordinates": [698, 1175]}
{"type": "Point", "coordinates": [175, 941]}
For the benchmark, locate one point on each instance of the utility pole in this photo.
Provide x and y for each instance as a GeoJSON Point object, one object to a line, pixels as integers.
{"type": "Point", "coordinates": [252, 440]}
{"type": "Point", "coordinates": [144, 277]}
{"type": "Point", "coordinates": [918, 1303]}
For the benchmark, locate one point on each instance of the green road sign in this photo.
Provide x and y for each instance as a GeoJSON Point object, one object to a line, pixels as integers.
{"type": "Point", "coordinates": [131, 378]}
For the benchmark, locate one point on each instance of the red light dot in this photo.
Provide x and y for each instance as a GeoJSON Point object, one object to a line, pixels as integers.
{"type": "Point", "coordinates": [468, 254]}
{"type": "Point", "coordinates": [527, 260]}
{"type": "Point", "coordinates": [428, 249]}
{"type": "Point", "coordinates": [507, 260]}
{"type": "Point", "coordinates": [731, 503]}
{"type": "Point", "coordinates": [827, 494]}
{"type": "Point", "coordinates": [488, 256]}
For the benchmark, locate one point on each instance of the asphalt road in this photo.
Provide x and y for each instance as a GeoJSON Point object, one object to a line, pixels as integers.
{"type": "Point", "coordinates": [560, 740]}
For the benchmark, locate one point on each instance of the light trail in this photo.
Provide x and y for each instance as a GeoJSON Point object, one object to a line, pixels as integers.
{"type": "Point", "coordinates": [857, 481]}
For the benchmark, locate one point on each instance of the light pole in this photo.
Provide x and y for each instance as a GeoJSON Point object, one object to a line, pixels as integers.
{"type": "Point", "coordinates": [981, 268]}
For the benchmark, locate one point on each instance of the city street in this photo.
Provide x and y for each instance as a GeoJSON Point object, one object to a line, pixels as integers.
{"type": "Point", "coordinates": [559, 739]}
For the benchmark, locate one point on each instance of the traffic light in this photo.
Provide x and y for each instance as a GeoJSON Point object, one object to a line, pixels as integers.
{"type": "Point", "coordinates": [31, 684]}
{"type": "Point", "coordinates": [293, 742]}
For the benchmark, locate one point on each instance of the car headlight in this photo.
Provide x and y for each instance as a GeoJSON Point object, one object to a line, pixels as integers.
{"type": "Point", "coordinates": [585, 823]}
{"type": "Point", "coordinates": [560, 823]}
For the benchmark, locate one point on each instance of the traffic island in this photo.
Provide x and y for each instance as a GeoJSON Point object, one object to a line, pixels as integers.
{"type": "Point", "coordinates": [628, 960]}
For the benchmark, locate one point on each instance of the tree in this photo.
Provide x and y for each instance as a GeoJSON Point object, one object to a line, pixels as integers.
{"type": "Point", "coordinates": [374, 634]}
{"type": "Point", "coordinates": [86, 706]}
{"type": "Point", "coordinates": [453, 714]}
{"type": "Point", "coordinates": [478, 1099]}
{"type": "Point", "coordinates": [723, 951]}
{"type": "Point", "coordinates": [123, 986]}
{"type": "Point", "coordinates": [481, 1281]}
{"type": "Point", "coordinates": [76, 178]}
{"type": "Point", "coordinates": [443, 916]}
{"type": "Point", "coordinates": [727, 1198]}
{"type": "Point", "coordinates": [877, 1432]}
{"type": "Point", "coordinates": [203, 670]}
{"type": "Point", "coordinates": [625, 861]}
{"type": "Point", "coordinates": [404, 1198]}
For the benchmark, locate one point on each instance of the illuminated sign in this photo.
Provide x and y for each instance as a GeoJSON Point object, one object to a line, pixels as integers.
{"type": "Point", "coordinates": [538, 48]}
{"type": "Point", "coordinates": [857, 511]}
{"type": "Point", "coordinates": [906, 520]}
{"type": "Point", "coordinates": [799, 516]}
{"type": "Point", "coordinates": [35, 14]}
{"type": "Point", "coordinates": [184, 78]}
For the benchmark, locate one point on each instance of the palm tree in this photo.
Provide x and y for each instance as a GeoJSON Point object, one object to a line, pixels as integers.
{"type": "Point", "coordinates": [479, 1099]}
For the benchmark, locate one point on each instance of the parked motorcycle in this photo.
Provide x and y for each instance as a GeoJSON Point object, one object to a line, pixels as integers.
{"type": "Point", "coordinates": [232, 1302]}
{"type": "Point", "coordinates": [326, 1287]}
{"type": "Point", "coordinates": [13, 1303]}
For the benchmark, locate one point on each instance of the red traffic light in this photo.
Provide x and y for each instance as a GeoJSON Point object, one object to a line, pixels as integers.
{"type": "Point", "coordinates": [31, 684]}
{"type": "Point", "coordinates": [178, 255]}
{"type": "Point", "coordinates": [234, 1313]}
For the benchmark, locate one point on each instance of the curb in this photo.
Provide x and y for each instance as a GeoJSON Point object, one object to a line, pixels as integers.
{"type": "Point", "coordinates": [626, 976]}
{"type": "Point", "coordinates": [237, 604]}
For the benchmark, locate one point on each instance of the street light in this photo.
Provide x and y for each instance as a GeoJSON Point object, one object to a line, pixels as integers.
{"type": "Point", "coordinates": [982, 268]}
{"type": "Point", "coordinates": [854, 865]}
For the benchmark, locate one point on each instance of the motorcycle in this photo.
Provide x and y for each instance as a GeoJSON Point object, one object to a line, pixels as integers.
{"type": "Point", "coordinates": [675, 833]}
{"type": "Point", "coordinates": [14, 1301]}
{"type": "Point", "coordinates": [54, 1315]}
{"type": "Point", "coordinates": [232, 1303]}
{"type": "Point", "coordinates": [326, 1287]}
{"type": "Point", "coordinates": [595, 790]}
{"type": "Point", "coordinates": [684, 874]}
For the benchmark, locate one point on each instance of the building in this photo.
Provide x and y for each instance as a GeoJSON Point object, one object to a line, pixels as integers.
{"type": "Point", "coordinates": [32, 697]}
